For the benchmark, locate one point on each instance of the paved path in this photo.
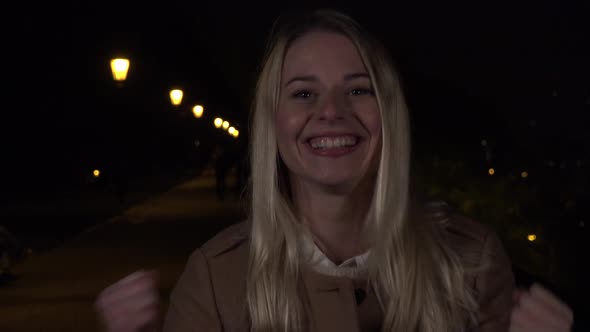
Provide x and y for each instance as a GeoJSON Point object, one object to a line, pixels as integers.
{"type": "Point", "coordinates": [55, 290]}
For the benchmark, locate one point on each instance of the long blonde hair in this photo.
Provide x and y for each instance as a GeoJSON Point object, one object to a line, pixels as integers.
{"type": "Point", "coordinates": [419, 280]}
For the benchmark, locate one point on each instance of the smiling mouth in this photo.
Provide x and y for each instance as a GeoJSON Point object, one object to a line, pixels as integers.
{"type": "Point", "coordinates": [322, 143]}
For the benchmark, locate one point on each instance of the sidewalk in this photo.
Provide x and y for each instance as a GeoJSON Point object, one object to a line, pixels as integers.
{"type": "Point", "coordinates": [55, 291]}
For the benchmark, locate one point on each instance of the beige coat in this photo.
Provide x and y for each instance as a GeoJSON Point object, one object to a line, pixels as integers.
{"type": "Point", "coordinates": [210, 294]}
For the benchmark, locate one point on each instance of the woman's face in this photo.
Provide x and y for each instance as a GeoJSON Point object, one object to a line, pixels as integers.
{"type": "Point", "coordinates": [328, 122]}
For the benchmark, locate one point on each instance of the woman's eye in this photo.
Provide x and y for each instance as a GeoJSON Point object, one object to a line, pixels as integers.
{"type": "Point", "coordinates": [303, 94]}
{"type": "Point", "coordinates": [361, 91]}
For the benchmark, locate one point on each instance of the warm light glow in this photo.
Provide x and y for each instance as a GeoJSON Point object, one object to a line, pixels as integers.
{"type": "Point", "coordinates": [96, 173]}
{"type": "Point", "coordinates": [225, 125]}
{"type": "Point", "coordinates": [236, 133]}
{"type": "Point", "coordinates": [531, 237]}
{"type": "Point", "coordinates": [524, 174]}
{"type": "Point", "coordinates": [198, 111]}
{"type": "Point", "coordinates": [491, 171]}
{"type": "Point", "coordinates": [176, 97]}
{"type": "Point", "coordinates": [119, 67]}
{"type": "Point", "coordinates": [231, 130]}
{"type": "Point", "coordinates": [217, 122]}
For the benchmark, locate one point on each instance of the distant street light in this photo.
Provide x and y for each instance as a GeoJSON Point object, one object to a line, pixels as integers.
{"type": "Point", "coordinates": [198, 111]}
{"type": "Point", "coordinates": [524, 174]}
{"type": "Point", "coordinates": [531, 237]}
{"type": "Point", "coordinates": [225, 125]}
{"type": "Point", "coordinates": [236, 133]}
{"type": "Point", "coordinates": [491, 171]}
{"type": "Point", "coordinates": [231, 130]}
{"type": "Point", "coordinates": [218, 122]}
{"type": "Point", "coordinates": [119, 68]}
{"type": "Point", "coordinates": [96, 173]}
{"type": "Point", "coordinates": [176, 97]}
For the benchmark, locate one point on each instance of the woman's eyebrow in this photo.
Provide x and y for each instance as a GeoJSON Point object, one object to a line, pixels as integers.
{"type": "Point", "coordinates": [307, 78]}
{"type": "Point", "coordinates": [313, 78]}
{"type": "Point", "coordinates": [353, 76]}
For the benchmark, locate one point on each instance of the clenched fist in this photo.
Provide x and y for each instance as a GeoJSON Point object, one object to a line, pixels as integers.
{"type": "Point", "coordinates": [130, 304]}
{"type": "Point", "coordinates": [539, 310]}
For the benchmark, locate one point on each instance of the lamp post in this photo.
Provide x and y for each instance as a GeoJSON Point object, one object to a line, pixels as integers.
{"type": "Point", "coordinates": [119, 69]}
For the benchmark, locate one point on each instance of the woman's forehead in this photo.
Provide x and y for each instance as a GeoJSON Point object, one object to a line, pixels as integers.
{"type": "Point", "coordinates": [322, 52]}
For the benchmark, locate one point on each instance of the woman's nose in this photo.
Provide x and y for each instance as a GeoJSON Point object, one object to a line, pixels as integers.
{"type": "Point", "coordinates": [334, 107]}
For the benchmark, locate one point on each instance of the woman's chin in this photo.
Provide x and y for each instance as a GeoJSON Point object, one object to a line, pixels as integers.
{"type": "Point", "coordinates": [333, 182]}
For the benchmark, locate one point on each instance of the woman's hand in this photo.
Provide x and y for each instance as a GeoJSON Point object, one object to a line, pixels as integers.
{"type": "Point", "coordinates": [130, 304]}
{"type": "Point", "coordinates": [539, 310]}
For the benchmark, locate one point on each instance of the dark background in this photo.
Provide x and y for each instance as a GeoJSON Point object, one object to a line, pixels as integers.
{"type": "Point", "coordinates": [514, 75]}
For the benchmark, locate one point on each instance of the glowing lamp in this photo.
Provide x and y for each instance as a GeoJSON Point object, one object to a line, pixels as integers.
{"type": "Point", "coordinates": [119, 68]}
{"type": "Point", "coordinates": [176, 97]}
{"type": "Point", "coordinates": [198, 111]}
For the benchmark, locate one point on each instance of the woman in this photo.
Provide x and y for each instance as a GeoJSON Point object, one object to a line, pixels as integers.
{"type": "Point", "coordinates": [331, 243]}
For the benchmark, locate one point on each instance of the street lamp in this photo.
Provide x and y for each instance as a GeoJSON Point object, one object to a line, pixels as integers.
{"type": "Point", "coordinates": [225, 125]}
{"type": "Point", "coordinates": [176, 96]}
{"type": "Point", "coordinates": [218, 122]}
{"type": "Point", "coordinates": [198, 111]}
{"type": "Point", "coordinates": [119, 68]}
{"type": "Point", "coordinates": [231, 130]}
{"type": "Point", "coordinates": [236, 133]}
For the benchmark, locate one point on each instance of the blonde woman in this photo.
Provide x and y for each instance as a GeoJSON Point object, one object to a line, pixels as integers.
{"type": "Point", "coordinates": [331, 243]}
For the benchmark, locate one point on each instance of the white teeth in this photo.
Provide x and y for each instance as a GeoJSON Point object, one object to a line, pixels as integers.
{"type": "Point", "coordinates": [332, 142]}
